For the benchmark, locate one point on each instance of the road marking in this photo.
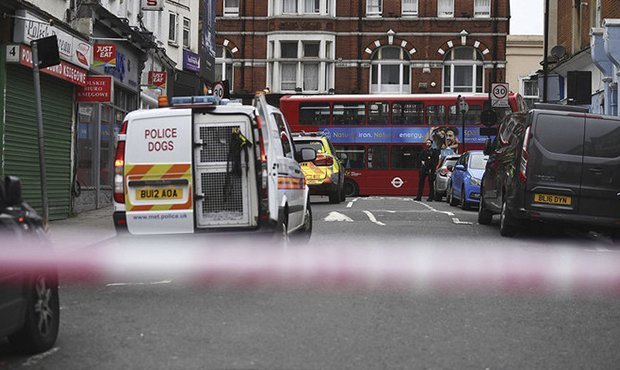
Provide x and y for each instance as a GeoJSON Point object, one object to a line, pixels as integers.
{"type": "Point", "coordinates": [435, 210]}
{"type": "Point", "coordinates": [373, 219]}
{"type": "Point", "coordinates": [337, 217]}
{"type": "Point", "coordinates": [350, 204]}
{"type": "Point", "coordinates": [459, 222]}
{"type": "Point", "coordinates": [139, 283]}
{"type": "Point", "coordinates": [35, 359]}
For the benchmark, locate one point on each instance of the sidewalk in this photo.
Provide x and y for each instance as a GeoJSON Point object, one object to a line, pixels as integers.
{"type": "Point", "coordinates": [85, 229]}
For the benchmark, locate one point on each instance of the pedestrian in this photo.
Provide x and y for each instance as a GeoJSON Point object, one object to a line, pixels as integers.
{"type": "Point", "coordinates": [428, 163]}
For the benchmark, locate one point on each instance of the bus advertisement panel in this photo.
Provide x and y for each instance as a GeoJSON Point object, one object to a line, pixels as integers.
{"type": "Point", "coordinates": [379, 137]}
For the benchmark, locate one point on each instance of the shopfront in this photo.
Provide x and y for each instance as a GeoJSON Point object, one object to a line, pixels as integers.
{"type": "Point", "coordinates": [19, 131]}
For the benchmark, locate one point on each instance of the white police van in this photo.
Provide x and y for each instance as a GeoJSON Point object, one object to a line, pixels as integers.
{"type": "Point", "coordinates": [201, 166]}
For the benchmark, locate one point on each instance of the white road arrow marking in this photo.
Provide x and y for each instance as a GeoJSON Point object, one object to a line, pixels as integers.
{"type": "Point", "coordinates": [373, 219]}
{"type": "Point", "coordinates": [337, 217]}
{"type": "Point", "coordinates": [350, 204]}
{"type": "Point", "coordinates": [459, 222]}
{"type": "Point", "coordinates": [139, 283]}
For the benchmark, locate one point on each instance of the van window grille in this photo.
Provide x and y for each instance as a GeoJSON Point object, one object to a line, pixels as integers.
{"type": "Point", "coordinates": [223, 198]}
{"type": "Point", "coordinates": [215, 143]}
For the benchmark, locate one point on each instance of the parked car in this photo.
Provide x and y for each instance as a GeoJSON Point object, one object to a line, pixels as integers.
{"type": "Point", "coordinates": [324, 175]}
{"type": "Point", "coordinates": [29, 304]}
{"type": "Point", "coordinates": [443, 174]}
{"type": "Point", "coordinates": [464, 187]}
{"type": "Point", "coordinates": [553, 164]}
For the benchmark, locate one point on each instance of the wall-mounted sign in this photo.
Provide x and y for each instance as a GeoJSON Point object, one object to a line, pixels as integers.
{"type": "Point", "coordinates": [191, 61]}
{"type": "Point", "coordinates": [104, 55]}
{"type": "Point", "coordinates": [207, 42]}
{"type": "Point", "coordinates": [97, 89]}
{"type": "Point", "coordinates": [157, 79]}
{"type": "Point", "coordinates": [71, 49]}
{"type": "Point", "coordinates": [153, 5]}
{"type": "Point", "coordinates": [22, 54]}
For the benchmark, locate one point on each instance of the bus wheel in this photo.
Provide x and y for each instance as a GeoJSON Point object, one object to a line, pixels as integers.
{"type": "Point", "coordinates": [350, 188]}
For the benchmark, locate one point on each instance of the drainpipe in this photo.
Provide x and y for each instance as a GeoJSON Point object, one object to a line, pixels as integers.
{"type": "Point", "coordinates": [604, 64]}
{"type": "Point", "coordinates": [611, 36]}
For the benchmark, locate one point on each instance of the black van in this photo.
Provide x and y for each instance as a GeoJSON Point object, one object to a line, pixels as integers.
{"type": "Point", "coordinates": [559, 164]}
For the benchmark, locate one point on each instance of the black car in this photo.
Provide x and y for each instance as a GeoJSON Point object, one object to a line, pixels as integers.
{"type": "Point", "coordinates": [553, 164]}
{"type": "Point", "coordinates": [29, 304]}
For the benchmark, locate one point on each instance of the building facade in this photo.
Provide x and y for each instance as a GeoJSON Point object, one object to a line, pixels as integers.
{"type": "Point", "coordinates": [361, 46]}
{"type": "Point", "coordinates": [523, 56]}
{"type": "Point", "coordinates": [583, 54]}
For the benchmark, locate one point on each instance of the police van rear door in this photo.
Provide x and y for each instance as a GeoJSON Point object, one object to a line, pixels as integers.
{"type": "Point", "coordinates": [158, 174]}
{"type": "Point", "coordinates": [225, 175]}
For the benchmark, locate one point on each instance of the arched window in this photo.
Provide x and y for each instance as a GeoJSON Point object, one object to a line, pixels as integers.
{"type": "Point", "coordinates": [224, 65]}
{"type": "Point", "coordinates": [463, 70]}
{"type": "Point", "coordinates": [390, 71]}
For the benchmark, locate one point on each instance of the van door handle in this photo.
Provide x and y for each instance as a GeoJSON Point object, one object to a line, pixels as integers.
{"type": "Point", "coordinates": [596, 170]}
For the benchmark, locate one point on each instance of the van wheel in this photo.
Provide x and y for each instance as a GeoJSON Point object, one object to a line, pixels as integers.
{"type": "Point", "coordinates": [463, 204]}
{"type": "Point", "coordinates": [484, 216]}
{"type": "Point", "coordinates": [507, 225]}
{"type": "Point", "coordinates": [350, 188]}
{"type": "Point", "coordinates": [42, 317]}
{"type": "Point", "coordinates": [450, 197]}
{"type": "Point", "coordinates": [305, 232]}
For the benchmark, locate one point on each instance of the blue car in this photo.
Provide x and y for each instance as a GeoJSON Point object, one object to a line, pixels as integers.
{"type": "Point", "coordinates": [464, 188]}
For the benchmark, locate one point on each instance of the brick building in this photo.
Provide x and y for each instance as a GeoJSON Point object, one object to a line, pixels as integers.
{"type": "Point", "coordinates": [361, 46]}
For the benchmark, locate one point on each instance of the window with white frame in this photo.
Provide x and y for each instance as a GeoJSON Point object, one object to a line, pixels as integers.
{"type": "Point", "coordinates": [390, 71]}
{"type": "Point", "coordinates": [224, 66]}
{"type": "Point", "coordinates": [312, 6]}
{"type": "Point", "coordinates": [289, 6]}
{"type": "Point", "coordinates": [463, 70]}
{"type": "Point", "coordinates": [172, 27]}
{"type": "Point", "coordinates": [300, 63]}
{"type": "Point", "coordinates": [231, 7]}
{"type": "Point", "coordinates": [187, 30]}
{"type": "Point", "coordinates": [410, 7]}
{"type": "Point", "coordinates": [301, 7]}
{"type": "Point", "coordinates": [482, 8]}
{"type": "Point", "coordinates": [529, 90]}
{"type": "Point", "coordinates": [374, 7]}
{"type": "Point", "coordinates": [445, 8]}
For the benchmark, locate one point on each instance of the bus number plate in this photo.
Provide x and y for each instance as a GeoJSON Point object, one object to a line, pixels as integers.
{"type": "Point", "coordinates": [159, 193]}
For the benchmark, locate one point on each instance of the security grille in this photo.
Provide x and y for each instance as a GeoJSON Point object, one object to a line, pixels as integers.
{"type": "Point", "coordinates": [215, 143]}
{"type": "Point", "coordinates": [221, 173]}
{"type": "Point", "coordinates": [223, 196]}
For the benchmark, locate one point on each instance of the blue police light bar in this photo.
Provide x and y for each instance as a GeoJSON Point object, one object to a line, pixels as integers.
{"type": "Point", "coordinates": [194, 100]}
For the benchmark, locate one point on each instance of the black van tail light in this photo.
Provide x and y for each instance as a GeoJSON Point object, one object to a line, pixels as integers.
{"type": "Point", "coordinates": [119, 172]}
{"type": "Point", "coordinates": [524, 157]}
{"type": "Point", "coordinates": [264, 175]}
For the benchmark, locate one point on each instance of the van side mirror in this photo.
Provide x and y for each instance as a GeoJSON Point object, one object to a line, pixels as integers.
{"type": "Point", "coordinates": [488, 149]}
{"type": "Point", "coordinates": [306, 155]}
{"type": "Point", "coordinates": [13, 186]}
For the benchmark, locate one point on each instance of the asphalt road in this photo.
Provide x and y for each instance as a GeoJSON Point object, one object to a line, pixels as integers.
{"type": "Point", "coordinates": [384, 283]}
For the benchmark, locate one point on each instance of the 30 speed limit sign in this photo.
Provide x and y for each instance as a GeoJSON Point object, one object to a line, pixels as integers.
{"type": "Point", "coordinates": [218, 91]}
{"type": "Point", "coordinates": [499, 95]}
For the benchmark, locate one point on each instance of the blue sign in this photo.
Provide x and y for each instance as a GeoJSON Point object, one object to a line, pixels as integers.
{"type": "Point", "coordinates": [392, 134]}
{"type": "Point", "coordinates": [191, 61]}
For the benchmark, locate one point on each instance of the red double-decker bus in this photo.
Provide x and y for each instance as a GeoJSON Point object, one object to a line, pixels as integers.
{"type": "Point", "coordinates": [379, 137]}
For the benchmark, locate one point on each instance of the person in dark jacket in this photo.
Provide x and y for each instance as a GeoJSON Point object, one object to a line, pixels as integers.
{"type": "Point", "coordinates": [428, 163]}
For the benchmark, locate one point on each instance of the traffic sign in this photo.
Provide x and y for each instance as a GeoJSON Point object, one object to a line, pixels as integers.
{"type": "Point", "coordinates": [499, 95]}
{"type": "Point", "coordinates": [218, 90]}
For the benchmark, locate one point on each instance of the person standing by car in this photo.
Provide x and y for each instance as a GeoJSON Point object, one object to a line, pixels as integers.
{"type": "Point", "coordinates": [428, 163]}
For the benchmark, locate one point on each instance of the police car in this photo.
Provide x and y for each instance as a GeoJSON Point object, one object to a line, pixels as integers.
{"type": "Point", "coordinates": [201, 165]}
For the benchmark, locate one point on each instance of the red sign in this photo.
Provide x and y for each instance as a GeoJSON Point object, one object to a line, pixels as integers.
{"type": "Point", "coordinates": [157, 79]}
{"type": "Point", "coordinates": [104, 55]}
{"type": "Point", "coordinates": [97, 89]}
{"type": "Point", "coordinates": [64, 70]}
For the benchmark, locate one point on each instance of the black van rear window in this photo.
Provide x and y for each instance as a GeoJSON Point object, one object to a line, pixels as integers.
{"type": "Point", "coordinates": [560, 134]}
{"type": "Point", "coordinates": [602, 138]}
